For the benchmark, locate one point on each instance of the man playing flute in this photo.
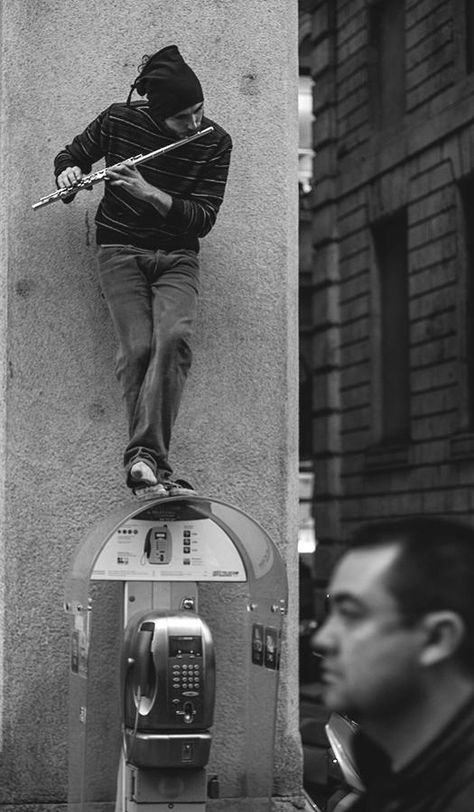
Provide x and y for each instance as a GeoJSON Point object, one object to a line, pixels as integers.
{"type": "Point", "coordinates": [148, 227]}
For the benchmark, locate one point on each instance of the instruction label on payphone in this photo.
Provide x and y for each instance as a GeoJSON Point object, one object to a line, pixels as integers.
{"type": "Point", "coordinates": [193, 550]}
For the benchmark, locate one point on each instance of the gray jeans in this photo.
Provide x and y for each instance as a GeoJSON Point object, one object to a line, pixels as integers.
{"type": "Point", "coordinates": [152, 298]}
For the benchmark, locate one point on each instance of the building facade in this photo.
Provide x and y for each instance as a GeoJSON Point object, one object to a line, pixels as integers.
{"type": "Point", "coordinates": [386, 327]}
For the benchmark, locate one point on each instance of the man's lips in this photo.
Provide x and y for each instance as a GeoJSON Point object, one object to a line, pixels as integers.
{"type": "Point", "coordinates": [329, 675]}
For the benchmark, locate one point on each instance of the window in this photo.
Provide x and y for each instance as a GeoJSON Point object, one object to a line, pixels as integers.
{"type": "Point", "coordinates": [305, 147]}
{"type": "Point", "coordinates": [390, 242]}
{"type": "Point", "coordinates": [387, 73]}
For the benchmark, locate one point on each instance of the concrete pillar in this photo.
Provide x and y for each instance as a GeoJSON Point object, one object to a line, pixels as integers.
{"type": "Point", "coordinates": [62, 422]}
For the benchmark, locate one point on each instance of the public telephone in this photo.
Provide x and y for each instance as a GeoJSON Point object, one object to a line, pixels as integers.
{"type": "Point", "coordinates": [169, 688]}
{"type": "Point", "coordinates": [155, 755]}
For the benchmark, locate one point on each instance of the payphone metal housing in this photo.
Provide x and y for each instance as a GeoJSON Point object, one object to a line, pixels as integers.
{"type": "Point", "coordinates": [149, 561]}
{"type": "Point", "coordinates": [168, 676]}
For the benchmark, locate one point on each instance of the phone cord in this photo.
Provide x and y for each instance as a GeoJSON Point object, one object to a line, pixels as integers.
{"type": "Point", "coordinates": [128, 756]}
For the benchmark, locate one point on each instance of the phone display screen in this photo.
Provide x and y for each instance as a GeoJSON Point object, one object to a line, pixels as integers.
{"type": "Point", "coordinates": [185, 644]}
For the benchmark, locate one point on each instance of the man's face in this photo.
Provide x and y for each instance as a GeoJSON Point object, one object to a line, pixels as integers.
{"type": "Point", "coordinates": [371, 664]}
{"type": "Point", "coordinates": [187, 121]}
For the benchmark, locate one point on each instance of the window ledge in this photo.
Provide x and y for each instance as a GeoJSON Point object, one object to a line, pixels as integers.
{"type": "Point", "coordinates": [385, 457]}
{"type": "Point", "coordinates": [461, 446]}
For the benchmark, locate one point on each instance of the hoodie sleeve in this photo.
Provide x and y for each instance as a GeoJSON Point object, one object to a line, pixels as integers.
{"type": "Point", "coordinates": [197, 214]}
{"type": "Point", "coordinates": [85, 149]}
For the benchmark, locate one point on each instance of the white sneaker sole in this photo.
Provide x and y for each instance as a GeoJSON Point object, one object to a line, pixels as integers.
{"type": "Point", "coordinates": [150, 492]}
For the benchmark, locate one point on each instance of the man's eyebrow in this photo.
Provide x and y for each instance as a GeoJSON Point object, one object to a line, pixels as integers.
{"type": "Point", "coordinates": [195, 110]}
{"type": "Point", "coordinates": [336, 598]}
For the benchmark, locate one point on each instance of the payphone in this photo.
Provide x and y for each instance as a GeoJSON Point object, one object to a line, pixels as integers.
{"type": "Point", "coordinates": [168, 669]}
{"type": "Point", "coordinates": [198, 592]}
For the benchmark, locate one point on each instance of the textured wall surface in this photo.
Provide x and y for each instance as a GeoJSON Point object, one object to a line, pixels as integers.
{"type": "Point", "coordinates": [63, 428]}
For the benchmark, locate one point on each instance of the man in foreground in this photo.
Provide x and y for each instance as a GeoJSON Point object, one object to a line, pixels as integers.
{"type": "Point", "coordinates": [149, 223]}
{"type": "Point", "coordinates": [398, 649]}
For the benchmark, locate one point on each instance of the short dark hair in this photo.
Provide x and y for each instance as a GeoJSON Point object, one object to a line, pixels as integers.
{"type": "Point", "coordinates": [433, 572]}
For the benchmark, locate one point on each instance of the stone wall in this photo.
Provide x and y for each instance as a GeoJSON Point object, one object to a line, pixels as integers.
{"type": "Point", "coordinates": [63, 425]}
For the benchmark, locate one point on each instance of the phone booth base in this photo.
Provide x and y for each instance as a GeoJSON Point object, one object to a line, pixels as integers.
{"type": "Point", "coordinates": [157, 789]}
{"type": "Point", "coordinates": [176, 608]}
{"type": "Point", "coordinates": [168, 750]}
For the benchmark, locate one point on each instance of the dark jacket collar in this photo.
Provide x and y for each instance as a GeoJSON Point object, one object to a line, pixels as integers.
{"type": "Point", "coordinates": [432, 771]}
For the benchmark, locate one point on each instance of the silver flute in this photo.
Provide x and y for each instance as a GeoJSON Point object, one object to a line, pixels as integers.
{"type": "Point", "coordinates": [96, 177]}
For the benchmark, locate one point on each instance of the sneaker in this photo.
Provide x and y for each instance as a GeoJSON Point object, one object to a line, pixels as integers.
{"type": "Point", "coordinates": [142, 473]}
{"type": "Point", "coordinates": [150, 491]}
{"type": "Point", "coordinates": [178, 487]}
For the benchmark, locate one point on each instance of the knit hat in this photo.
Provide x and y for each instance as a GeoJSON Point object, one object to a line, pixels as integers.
{"type": "Point", "coordinates": [170, 84]}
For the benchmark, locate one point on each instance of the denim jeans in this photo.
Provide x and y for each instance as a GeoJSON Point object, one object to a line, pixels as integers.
{"type": "Point", "coordinates": [152, 298]}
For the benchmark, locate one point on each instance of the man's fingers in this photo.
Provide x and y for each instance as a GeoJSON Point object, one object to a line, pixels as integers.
{"type": "Point", "coordinates": [70, 176]}
{"type": "Point", "coordinates": [121, 170]}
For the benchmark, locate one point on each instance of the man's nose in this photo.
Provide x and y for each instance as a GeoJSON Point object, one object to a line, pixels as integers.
{"type": "Point", "coordinates": [322, 641]}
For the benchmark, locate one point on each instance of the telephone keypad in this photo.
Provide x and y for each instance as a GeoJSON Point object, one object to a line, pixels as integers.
{"type": "Point", "coordinates": [186, 676]}
{"type": "Point", "coordinates": [186, 681]}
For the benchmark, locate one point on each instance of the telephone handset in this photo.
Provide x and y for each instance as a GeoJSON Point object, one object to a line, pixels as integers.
{"type": "Point", "coordinates": [143, 676]}
{"type": "Point", "coordinates": [169, 672]}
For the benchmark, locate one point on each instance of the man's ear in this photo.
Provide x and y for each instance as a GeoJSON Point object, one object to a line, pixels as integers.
{"type": "Point", "coordinates": [444, 632]}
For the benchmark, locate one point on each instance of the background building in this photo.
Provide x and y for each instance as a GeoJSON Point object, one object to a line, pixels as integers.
{"type": "Point", "coordinates": [388, 417]}
{"type": "Point", "coordinates": [386, 269]}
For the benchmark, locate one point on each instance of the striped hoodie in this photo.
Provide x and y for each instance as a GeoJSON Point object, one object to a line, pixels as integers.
{"type": "Point", "coordinates": [194, 175]}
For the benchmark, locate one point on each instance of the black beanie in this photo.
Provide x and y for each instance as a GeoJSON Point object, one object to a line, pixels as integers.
{"type": "Point", "coordinates": [170, 84]}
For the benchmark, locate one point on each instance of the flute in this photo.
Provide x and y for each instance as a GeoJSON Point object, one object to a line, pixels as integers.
{"type": "Point", "coordinates": [95, 177]}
